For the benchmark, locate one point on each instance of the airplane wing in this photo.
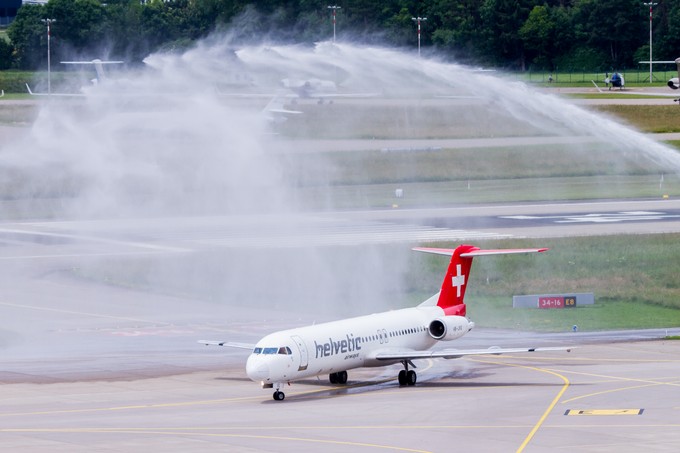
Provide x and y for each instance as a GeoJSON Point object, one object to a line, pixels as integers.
{"type": "Point", "coordinates": [314, 95]}
{"type": "Point", "coordinates": [458, 353]}
{"type": "Point", "coordinates": [53, 94]}
{"type": "Point", "coordinates": [229, 344]}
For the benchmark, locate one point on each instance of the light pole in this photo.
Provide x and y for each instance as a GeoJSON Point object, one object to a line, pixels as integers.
{"type": "Point", "coordinates": [49, 22]}
{"type": "Point", "coordinates": [418, 20]}
{"type": "Point", "coordinates": [334, 8]}
{"type": "Point", "coordinates": [651, 5]}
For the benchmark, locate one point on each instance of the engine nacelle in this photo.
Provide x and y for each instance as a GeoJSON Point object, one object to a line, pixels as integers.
{"type": "Point", "coordinates": [674, 83]}
{"type": "Point", "coordinates": [449, 328]}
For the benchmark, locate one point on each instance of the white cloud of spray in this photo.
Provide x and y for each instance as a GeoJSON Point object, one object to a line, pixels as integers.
{"type": "Point", "coordinates": [162, 144]}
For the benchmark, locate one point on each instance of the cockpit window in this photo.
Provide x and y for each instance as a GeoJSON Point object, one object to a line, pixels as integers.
{"type": "Point", "coordinates": [270, 350]}
{"type": "Point", "coordinates": [257, 351]}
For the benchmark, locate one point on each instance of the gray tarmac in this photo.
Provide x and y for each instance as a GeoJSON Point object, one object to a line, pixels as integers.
{"type": "Point", "coordinates": [619, 397]}
{"type": "Point", "coordinates": [93, 366]}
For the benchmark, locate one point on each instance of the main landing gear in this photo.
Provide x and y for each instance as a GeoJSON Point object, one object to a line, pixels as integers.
{"type": "Point", "coordinates": [406, 376]}
{"type": "Point", "coordinates": [338, 378]}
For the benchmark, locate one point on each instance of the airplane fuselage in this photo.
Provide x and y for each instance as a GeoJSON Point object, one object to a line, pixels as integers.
{"type": "Point", "coordinates": [343, 345]}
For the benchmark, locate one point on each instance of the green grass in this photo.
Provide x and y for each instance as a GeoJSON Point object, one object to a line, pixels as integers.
{"type": "Point", "coordinates": [468, 176]}
{"type": "Point", "coordinates": [647, 118]}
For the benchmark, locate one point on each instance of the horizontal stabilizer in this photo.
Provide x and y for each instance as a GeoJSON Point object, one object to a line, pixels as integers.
{"type": "Point", "coordinates": [473, 253]}
{"type": "Point", "coordinates": [93, 62]}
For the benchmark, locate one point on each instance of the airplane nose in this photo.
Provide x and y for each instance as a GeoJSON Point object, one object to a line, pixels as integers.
{"type": "Point", "coordinates": [257, 371]}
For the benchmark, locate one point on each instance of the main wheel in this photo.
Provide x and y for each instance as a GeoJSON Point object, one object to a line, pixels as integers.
{"type": "Point", "coordinates": [402, 377]}
{"type": "Point", "coordinates": [279, 396]}
{"type": "Point", "coordinates": [333, 377]}
{"type": "Point", "coordinates": [342, 377]}
{"type": "Point", "coordinates": [411, 377]}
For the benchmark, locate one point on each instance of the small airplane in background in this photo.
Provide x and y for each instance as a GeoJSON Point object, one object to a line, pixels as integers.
{"type": "Point", "coordinates": [98, 67]}
{"type": "Point", "coordinates": [376, 340]}
{"type": "Point", "coordinates": [319, 89]}
{"type": "Point", "coordinates": [275, 112]}
{"type": "Point", "coordinates": [673, 83]}
{"type": "Point", "coordinates": [305, 89]}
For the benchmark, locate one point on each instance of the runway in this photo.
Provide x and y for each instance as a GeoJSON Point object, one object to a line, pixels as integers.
{"type": "Point", "coordinates": [607, 397]}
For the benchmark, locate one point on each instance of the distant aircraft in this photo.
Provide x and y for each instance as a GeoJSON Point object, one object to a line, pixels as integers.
{"type": "Point", "coordinates": [98, 67]}
{"type": "Point", "coordinates": [398, 336]}
{"type": "Point", "coordinates": [319, 89]}
{"type": "Point", "coordinates": [274, 111]}
{"type": "Point", "coordinates": [616, 80]}
{"type": "Point", "coordinates": [673, 83]}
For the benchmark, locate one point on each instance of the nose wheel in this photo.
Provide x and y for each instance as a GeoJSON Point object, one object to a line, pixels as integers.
{"type": "Point", "coordinates": [406, 376]}
{"type": "Point", "coordinates": [279, 396]}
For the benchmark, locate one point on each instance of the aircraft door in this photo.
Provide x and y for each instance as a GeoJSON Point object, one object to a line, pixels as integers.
{"type": "Point", "coordinates": [302, 347]}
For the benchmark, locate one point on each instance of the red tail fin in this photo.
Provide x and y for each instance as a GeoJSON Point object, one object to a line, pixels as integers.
{"type": "Point", "coordinates": [452, 295]}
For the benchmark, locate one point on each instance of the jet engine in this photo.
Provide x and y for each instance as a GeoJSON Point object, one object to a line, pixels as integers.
{"type": "Point", "coordinates": [674, 83]}
{"type": "Point", "coordinates": [449, 328]}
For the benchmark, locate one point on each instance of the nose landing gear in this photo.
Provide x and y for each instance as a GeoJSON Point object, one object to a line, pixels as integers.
{"type": "Point", "coordinates": [279, 396]}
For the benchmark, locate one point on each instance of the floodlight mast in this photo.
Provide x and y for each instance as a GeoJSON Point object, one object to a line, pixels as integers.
{"type": "Point", "coordinates": [49, 22]}
{"type": "Point", "coordinates": [651, 5]}
{"type": "Point", "coordinates": [334, 8]}
{"type": "Point", "coordinates": [418, 20]}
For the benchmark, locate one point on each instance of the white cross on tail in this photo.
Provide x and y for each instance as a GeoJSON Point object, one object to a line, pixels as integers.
{"type": "Point", "coordinates": [458, 280]}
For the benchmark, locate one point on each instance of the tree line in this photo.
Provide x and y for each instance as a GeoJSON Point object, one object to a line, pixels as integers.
{"type": "Point", "coordinates": [510, 34]}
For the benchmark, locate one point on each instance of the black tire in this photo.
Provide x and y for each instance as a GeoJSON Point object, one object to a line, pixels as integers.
{"type": "Point", "coordinates": [279, 396]}
{"type": "Point", "coordinates": [342, 377]}
{"type": "Point", "coordinates": [411, 377]}
{"type": "Point", "coordinates": [402, 377]}
{"type": "Point", "coordinates": [333, 377]}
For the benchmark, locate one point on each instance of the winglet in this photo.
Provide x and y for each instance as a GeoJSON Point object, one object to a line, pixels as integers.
{"type": "Point", "coordinates": [29, 90]}
{"type": "Point", "coordinates": [598, 88]}
{"type": "Point", "coordinates": [2, 93]}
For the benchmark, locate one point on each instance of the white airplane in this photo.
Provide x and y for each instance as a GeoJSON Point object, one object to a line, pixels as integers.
{"type": "Point", "coordinates": [98, 67]}
{"type": "Point", "coordinates": [319, 89]}
{"type": "Point", "coordinates": [274, 111]}
{"type": "Point", "coordinates": [381, 339]}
